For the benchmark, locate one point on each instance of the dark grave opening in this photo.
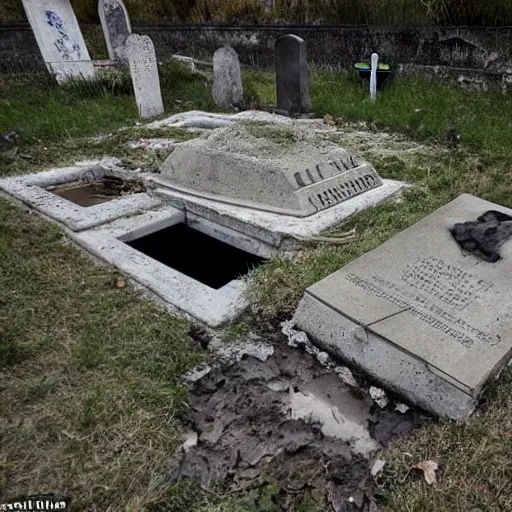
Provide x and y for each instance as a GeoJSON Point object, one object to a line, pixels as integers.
{"type": "Point", "coordinates": [205, 259]}
{"type": "Point", "coordinates": [97, 192]}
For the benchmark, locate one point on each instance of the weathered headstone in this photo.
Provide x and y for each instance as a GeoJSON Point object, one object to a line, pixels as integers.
{"type": "Point", "coordinates": [292, 82]}
{"type": "Point", "coordinates": [116, 26]}
{"type": "Point", "coordinates": [373, 77]}
{"type": "Point", "coordinates": [227, 87]}
{"type": "Point", "coordinates": [428, 313]}
{"type": "Point", "coordinates": [141, 55]}
{"type": "Point", "coordinates": [59, 38]}
{"type": "Point", "coordinates": [287, 170]}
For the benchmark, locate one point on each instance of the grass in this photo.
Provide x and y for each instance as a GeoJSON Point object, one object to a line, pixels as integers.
{"type": "Point", "coordinates": [90, 375]}
{"type": "Point", "coordinates": [92, 401]}
{"type": "Point", "coordinates": [475, 471]}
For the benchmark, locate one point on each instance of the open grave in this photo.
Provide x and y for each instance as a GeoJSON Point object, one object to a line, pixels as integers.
{"type": "Point", "coordinates": [427, 314]}
{"type": "Point", "coordinates": [253, 185]}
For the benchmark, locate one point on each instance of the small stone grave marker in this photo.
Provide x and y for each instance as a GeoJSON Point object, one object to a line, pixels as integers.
{"type": "Point", "coordinates": [292, 82]}
{"type": "Point", "coordinates": [427, 315]}
{"type": "Point", "coordinates": [144, 70]}
{"type": "Point", "coordinates": [59, 38]}
{"type": "Point", "coordinates": [116, 26]}
{"type": "Point", "coordinates": [227, 87]}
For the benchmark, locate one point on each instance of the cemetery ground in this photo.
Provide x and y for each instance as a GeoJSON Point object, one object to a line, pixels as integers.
{"type": "Point", "coordinates": [93, 403]}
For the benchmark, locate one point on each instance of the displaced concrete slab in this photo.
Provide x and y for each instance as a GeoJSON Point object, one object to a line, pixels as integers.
{"type": "Point", "coordinates": [32, 190]}
{"type": "Point", "coordinates": [289, 170]}
{"type": "Point", "coordinates": [418, 314]}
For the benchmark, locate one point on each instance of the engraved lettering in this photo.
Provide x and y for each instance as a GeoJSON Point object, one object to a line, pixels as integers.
{"type": "Point", "coordinates": [370, 180]}
{"type": "Point", "coordinates": [299, 180]}
{"type": "Point", "coordinates": [421, 307]}
{"type": "Point", "coordinates": [337, 166]}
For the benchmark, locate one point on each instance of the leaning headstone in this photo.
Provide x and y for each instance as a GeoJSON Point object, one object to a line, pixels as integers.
{"type": "Point", "coordinates": [426, 314]}
{"type": "Point", "coordinates": [292, 82]}
{"type": "Point", "coordinates": [227, 87]}
{"type": "Point", "coordinates": [59, 38]}
{"type": "Point", "coordinates": [141, 55]}
{"type": "Point", "coordinates": [116, 26]}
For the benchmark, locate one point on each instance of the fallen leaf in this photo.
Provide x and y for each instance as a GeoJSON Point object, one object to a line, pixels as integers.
{"type": "Point", "coordinates": [120, 283]}
{"type": "Point", "coordinates": [329, 120]}
{"type": "Point", "coordinates": [429, 468]}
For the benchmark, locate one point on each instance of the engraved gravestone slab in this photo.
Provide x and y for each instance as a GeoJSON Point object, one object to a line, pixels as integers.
{"type": "Point", "coordinates": [59, 38]}
{"type": "Point", "coordinates": [292, 82]}
{"type": "Point", "coordinates": [423, 297]}
{"type": "Point", "coordinates": [140, 51]}
{"type": "Point", "coordinates": [287, 170]}
{"type": "Point", "coordinates": [227, 89]}
{"type": "Point", "coordinates": [116, 26]}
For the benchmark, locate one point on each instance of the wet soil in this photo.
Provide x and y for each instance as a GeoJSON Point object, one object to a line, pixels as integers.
{"type": "Point", "coordinates": [290, 421]}
{"type": "Point", "coordinates": [90, 194]}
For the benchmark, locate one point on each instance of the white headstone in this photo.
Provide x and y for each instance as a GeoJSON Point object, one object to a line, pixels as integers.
{"type": "Point", "coordinates": [373, 77]}
{"type": "Point", "coordinates": [227, 88]}
{"type": "Point", "coordinates": [140, 51]}
{"type": "Point", "coordinates": [59, 38]}
{"type": "Point", "coordinates": [116, 26]}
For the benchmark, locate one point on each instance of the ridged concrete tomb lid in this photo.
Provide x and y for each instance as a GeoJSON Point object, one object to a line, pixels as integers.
{"type": "Point", "coordinates": [428, 313]}
{"type": "Point", "coordinates": [284, 169]}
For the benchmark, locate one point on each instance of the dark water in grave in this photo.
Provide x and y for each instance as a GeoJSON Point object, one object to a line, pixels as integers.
{"type": "Point", "coordinates": [91, 194]}
{"type": "Point", "coordinates": [88, 194]}
{"type": "Point", "coordinates": [210, 261]}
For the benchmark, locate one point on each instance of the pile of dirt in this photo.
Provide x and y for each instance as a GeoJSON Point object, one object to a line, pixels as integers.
{"type": "Point", "coordinates": [290, 421]}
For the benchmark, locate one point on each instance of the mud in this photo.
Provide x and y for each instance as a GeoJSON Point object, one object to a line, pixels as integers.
{"type": "Point", "coordinates": [286, 420]}
{"type": "Point", "coordinates": [90, 194]}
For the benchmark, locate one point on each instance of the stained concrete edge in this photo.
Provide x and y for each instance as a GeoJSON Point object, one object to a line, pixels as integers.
{"type": "Point", "coordinates": [393, 368]}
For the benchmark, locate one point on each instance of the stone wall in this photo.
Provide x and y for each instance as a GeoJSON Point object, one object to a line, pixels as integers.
{"type": "Point", "coordinates": [18, 48]}
{"type": "Point", "coordinates": [487, 49]}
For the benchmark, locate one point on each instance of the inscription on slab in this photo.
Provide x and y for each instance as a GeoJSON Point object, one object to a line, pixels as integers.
{"type": "Point", "coordinates": [144, 70]}
{"type": "Point", "coordinates": [59, 38]}
{"type": "Point", "coordinates": [116, 26]}
{"type": "Point", "coordinates": [420, 314]}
